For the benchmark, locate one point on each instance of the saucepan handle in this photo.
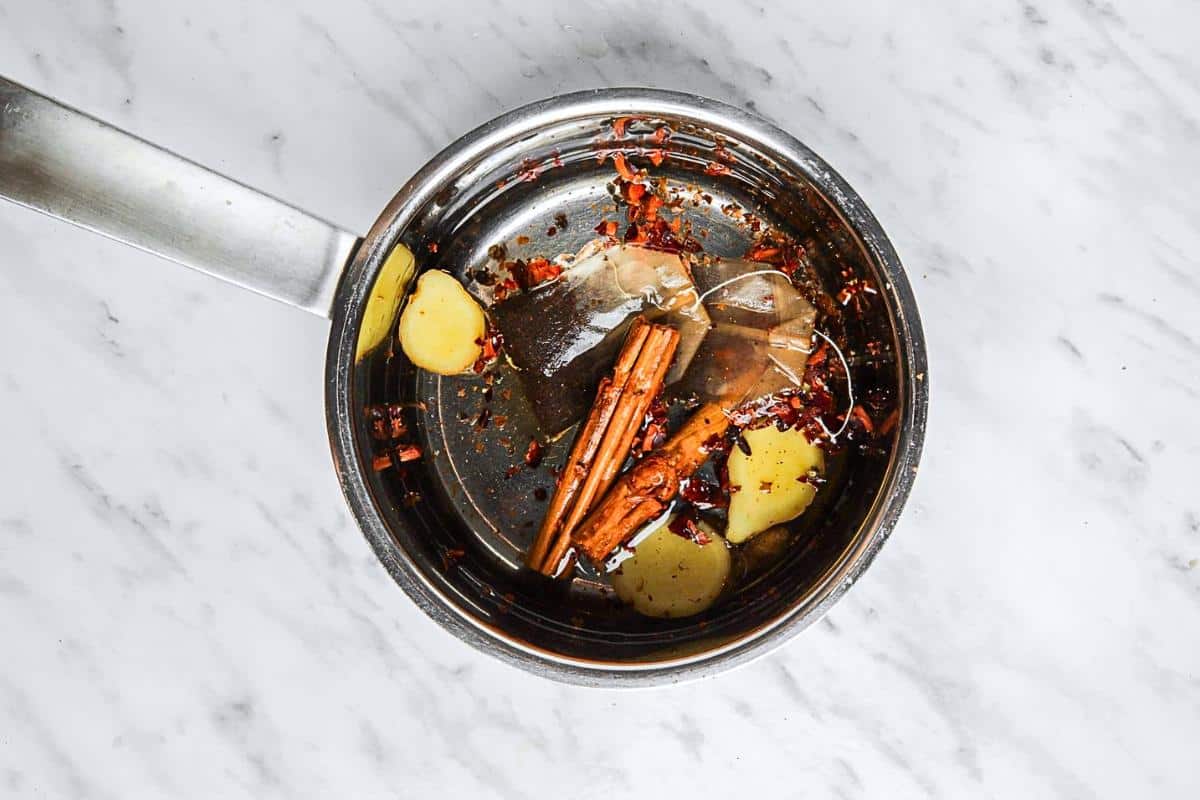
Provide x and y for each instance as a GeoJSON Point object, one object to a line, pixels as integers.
{"type": "Point", "coordinates": [72, 166]}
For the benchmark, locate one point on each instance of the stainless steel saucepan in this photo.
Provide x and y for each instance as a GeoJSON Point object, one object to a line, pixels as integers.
{"type": "Point", "coordinates": [456, 553]}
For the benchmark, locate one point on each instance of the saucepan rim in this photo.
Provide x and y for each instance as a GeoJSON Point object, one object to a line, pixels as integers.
{"type": "Point", "coordinates": [424, 185]}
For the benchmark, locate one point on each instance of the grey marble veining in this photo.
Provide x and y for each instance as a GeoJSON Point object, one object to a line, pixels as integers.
{"type": "Point", "coordinates": [188, 611]}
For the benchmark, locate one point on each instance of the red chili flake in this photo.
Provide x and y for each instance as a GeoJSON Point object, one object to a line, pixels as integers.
{"type": "Point", "coordinates": [386, 421]}
{"type": "Point", "coordinates": [852, 291]}
{"type": "Point", "coordinates": [541, 270]}
{"type": "Point", "coordinates": [381, 462]}
{"type": "Point", "coordinates": [513, 470]}
{"type": "Point", "coordinates": [703, 494]}
{"type": "Point", "coordinates": [656, 157]}
{"type": "Point", "coordinates": [432, 247]}
{"type": "Point", "coordinates": [660, 134]}
{"type": "Point", "coordinates": [685, 525]}
{"type": "Point", "coordinates": [551, 231]}
{"type": "Point", "coordinates": [529, 170]}
{"type": "Point", "coordinates": [490, 347]}
{"type": "Point", "coordinates": [764, 252]}
{"type": "Point", "coordinates": [714, 168]}
{"type": "Point", "coordinates": [527, 274]}
{"type": "Point", "coordinates": [653, 431]}
{"type": "Point", "coordinates": [500, 420]}
{"type": "Point", "coordinates": [623, 168]}
{"type": "Point", "coordinates": [818, 357]}
{"type": "Point", "coordinates": [717, 445]}
{"type": "Point", "coordinates": [619, 125]}
{"type": "Point", "coordinates": [407, 452]}
{"type": "Point", "coordinates": [812, 478]}
{"type": "Point", "coordinates": [607, 228]}
{"type": "Point", "coordinates": [522, 240]}
{"type": "Point", "coordinates": [533, 454]}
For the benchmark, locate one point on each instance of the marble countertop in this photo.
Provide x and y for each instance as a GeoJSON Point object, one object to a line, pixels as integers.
{"type": "Point", "coordinates": [187, 609]}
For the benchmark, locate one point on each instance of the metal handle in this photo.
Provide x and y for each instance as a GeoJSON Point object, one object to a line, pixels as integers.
{"type": "Point", "coordinates": [69, 165]}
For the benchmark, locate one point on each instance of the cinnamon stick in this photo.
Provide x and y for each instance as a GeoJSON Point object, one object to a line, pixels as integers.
{"type": "Point", "coordinates": [621, 402]}
{"type": "Point", "coordinates": [643, 492]}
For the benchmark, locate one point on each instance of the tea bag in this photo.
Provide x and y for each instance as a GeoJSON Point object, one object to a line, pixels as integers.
{"type": "Point", "coordinates": [564, 335]}
{"type": "Point", "coordinates": [760, 338]}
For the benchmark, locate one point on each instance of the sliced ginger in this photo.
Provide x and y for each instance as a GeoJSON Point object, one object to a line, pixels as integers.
{"type": "Point", "coordinates": [384, 300]}
{"type": "Point", "coordinates": [671, 576]}
{"type": "Point", "coordinates": [770, 481]}
{"type": "Point", "coordinates": [442, 327]}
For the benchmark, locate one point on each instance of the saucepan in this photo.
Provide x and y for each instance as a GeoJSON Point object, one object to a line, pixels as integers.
{"type": "Point", "coordinates": [449, 527]}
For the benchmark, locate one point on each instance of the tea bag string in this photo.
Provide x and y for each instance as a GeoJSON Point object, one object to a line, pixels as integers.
{"type": "Point", "coordinates": [735, 279]}
{"type": "Point", "coordinates": [849, 390]}
{"type": "Point", "coordinates": [845, 364]}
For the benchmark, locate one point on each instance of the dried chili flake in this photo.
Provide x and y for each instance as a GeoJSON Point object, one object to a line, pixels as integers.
{"type": "Point", "coordinates": [685, 525]}
{"type": "Point", "coordinates": [812, 478]}
{"type": "Point", "coordinates": [607, 228]}
{"type": "Point", "coordinates": [432, 247]}
{"type": "Point", "coordinates": [529, 170]}
{"type": "Point", "coordinates": [481, 422]}
{"type": "Point", "coordinates": [653, 430]}
{"type": "Point", "coordinates": [853, 289]}
{"type": "Point", "coordinates": [407, 452]}
{"type": "Point", "coordinates": [513, 470]}
{"type": "Point", "coordinates": [714, 168]}
{"type": "Point", "coordinates": [533, 454]}
{"type": "Point", "coordinates": [656, 157]}
{"type": "Point", "coordinates": [703, 494]}
{"type": "Point", "coordinates": [386, 421]}
{"type": "Point", "coordinates": [498, 252]}
{"type": "Point", "coordinates": [623, 168]}
{"type": "Point", "coordinates": [560, 219]}
{"type": "Point", "coordinates": [490, 347]}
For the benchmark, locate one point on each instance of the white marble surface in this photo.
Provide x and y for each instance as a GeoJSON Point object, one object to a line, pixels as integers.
{"type": "Point", "coordinates": [186, 609]}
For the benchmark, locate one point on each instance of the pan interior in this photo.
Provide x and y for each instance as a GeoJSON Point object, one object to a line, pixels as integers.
{"type": "Point", "coordinates": [464, 514]}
